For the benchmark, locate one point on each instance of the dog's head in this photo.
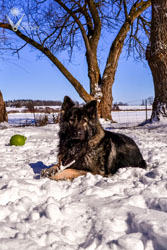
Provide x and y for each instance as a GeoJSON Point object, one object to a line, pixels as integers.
{"type": "Point", "coordinates": [78, 123]}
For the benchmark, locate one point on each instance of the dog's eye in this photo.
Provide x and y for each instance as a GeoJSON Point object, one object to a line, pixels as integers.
{"type": "Point", "coordinates": [71, 120]}
{"type": "Point", "coordinates": [85, 121]}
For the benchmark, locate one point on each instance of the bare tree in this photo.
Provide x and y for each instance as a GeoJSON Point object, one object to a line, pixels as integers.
{"type": "Point", "coordinates": [3, 113]}
{"type": "Point", "coordinates": [156, 55]}
{"type": "Point", "coordinates": [67, 24]}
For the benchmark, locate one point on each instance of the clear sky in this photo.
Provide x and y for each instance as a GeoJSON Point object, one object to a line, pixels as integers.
{"type": "Point", "coordinates": [32, 78]}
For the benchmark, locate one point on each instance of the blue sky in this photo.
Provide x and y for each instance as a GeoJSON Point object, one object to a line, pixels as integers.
{"type": "Point", "coordinates": [32, 78]}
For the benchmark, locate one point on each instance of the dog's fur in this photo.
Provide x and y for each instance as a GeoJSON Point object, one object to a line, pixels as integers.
{"type": "Point", "coordinates": [85, 144]}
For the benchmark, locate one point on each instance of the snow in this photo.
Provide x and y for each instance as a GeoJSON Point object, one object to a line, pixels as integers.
{"type": "Point", "coordinates": [123, 212]}
{"type": "Point", "coordinates": [130, 114]}
{"type": "Point", "coordinates": [98, 92]}
{"type": "Point", "coordinates": [134, 107]}
{"type": "Point", "coordinates": [160, 113]}
{"type": "Point", "coordinates": [28, 118]}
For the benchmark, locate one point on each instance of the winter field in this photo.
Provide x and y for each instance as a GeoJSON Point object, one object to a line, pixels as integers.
{"type": "Point", "coordinates": [125, 212]}
{"type": "Point", "coordinates": [127, 114]}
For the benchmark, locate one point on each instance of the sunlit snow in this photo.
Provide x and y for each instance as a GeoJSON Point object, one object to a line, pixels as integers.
{"type": "Point", "coordinates": [125, 212]}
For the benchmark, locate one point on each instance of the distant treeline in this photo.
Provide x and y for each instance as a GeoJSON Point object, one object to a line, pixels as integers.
{"type": "Point", "coordinates": [23, 102]}
{"type": "Point", "coordinates": [32, 103]}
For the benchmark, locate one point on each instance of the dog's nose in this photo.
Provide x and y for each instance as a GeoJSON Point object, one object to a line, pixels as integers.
{"type": "Point", "coordinates": [79, 133]}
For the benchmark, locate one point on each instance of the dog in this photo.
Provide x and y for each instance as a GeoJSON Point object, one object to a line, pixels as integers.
{"type": "Point", "coordinates": [85, 147]}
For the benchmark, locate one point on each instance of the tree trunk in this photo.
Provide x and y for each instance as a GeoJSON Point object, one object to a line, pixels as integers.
{"type": "Point", "coordinates": [3, 113]}
{"type": "Point", "coordinates": [105, 105]}
{"type": "Point", "coordinates": [156, 56]}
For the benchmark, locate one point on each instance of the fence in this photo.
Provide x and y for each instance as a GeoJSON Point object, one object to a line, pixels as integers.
{"type": "Point", "coordinates": [133, 113]}
{"type": "Point", "coordinates": [125, 114]}
{"type": "Point", "coordinates": [131, 116]}
{"type": "Point", "coordinates": [20, 117]}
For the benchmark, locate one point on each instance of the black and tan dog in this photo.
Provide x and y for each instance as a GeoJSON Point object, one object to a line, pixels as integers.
{"type": "Point", "coordinates": [85, 146]}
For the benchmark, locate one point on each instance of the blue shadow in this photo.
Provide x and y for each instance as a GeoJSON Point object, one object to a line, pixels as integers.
{"type": "Point", "coordinates": [38, 166]}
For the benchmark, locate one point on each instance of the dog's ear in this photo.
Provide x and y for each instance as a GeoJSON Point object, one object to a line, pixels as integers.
{"type": "Point", "coordinates": [91, 108]}
{"type": "Point", "coordinates": [67, 103]}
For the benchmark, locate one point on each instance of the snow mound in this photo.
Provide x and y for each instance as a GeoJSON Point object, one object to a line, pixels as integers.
{"type": "Point", "coordinates": [124, 212]}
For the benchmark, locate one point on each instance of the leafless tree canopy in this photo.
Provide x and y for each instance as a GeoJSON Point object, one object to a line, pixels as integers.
{"type": "Point", "coordinates": [54, 26]}
{"type": "Point", "coordinates": [62, 25]}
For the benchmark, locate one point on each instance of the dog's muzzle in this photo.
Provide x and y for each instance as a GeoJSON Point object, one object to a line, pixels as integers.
{"type": "Point", "coordinates": [78, 135]}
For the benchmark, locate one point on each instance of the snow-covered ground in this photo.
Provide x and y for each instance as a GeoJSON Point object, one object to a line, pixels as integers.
{"type": "Point", "coordinates": [118, 116]}
{"type": "Point", "coordinates": [26, 118]}
{"type": "Point", "coordinates": [134, 107]}
{"type": "Point", "coordinates": [125, 212]}
{"type": "Point", "coordinates": [133, 113]}
{"type": "Point", "coordinates": [130, 116]}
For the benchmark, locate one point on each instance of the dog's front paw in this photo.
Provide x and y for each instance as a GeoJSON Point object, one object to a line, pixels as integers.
{"type": "Point", "coordinates": [48, 172]}
{"type": "Point", "coordinates": [92, 143]}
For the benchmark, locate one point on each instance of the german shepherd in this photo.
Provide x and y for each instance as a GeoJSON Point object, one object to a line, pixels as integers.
{"type": "Point", "coordinates": [84, 146]}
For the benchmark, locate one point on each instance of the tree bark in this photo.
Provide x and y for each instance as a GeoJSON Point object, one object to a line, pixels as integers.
{"type": "Point", "coordinates": [105, 106]}
{"type": "Point", "coordinates": [156, 56]}
{"type": "Point", "coordinates": [3, 113]}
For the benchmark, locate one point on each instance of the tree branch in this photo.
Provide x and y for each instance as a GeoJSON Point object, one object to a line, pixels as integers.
{"type": "Point", "coordinates": [145, 25]}
{"type": "Point", "coordinates": [125, 9]}
{"type": "Point", "coordinates": [88, 20]}
{"type": "Point", "coordinates": [138, 8]}
{"type": "Point", "coordinates": [17, 50]}
{"type": "Point", "coordinates": [117, 44]}
{"type": "Point", "coordinates": [76, 84]}
{"type": "Point", "coordinates": [84, 35]}
{"type": "Point", "coordinates": [54, 31]}
{"type": "Point", "coordinates": [96, 20]}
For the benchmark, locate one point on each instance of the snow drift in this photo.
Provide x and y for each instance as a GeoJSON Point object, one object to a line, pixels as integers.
{"type": "Point", "coordinates": [127, 211]}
